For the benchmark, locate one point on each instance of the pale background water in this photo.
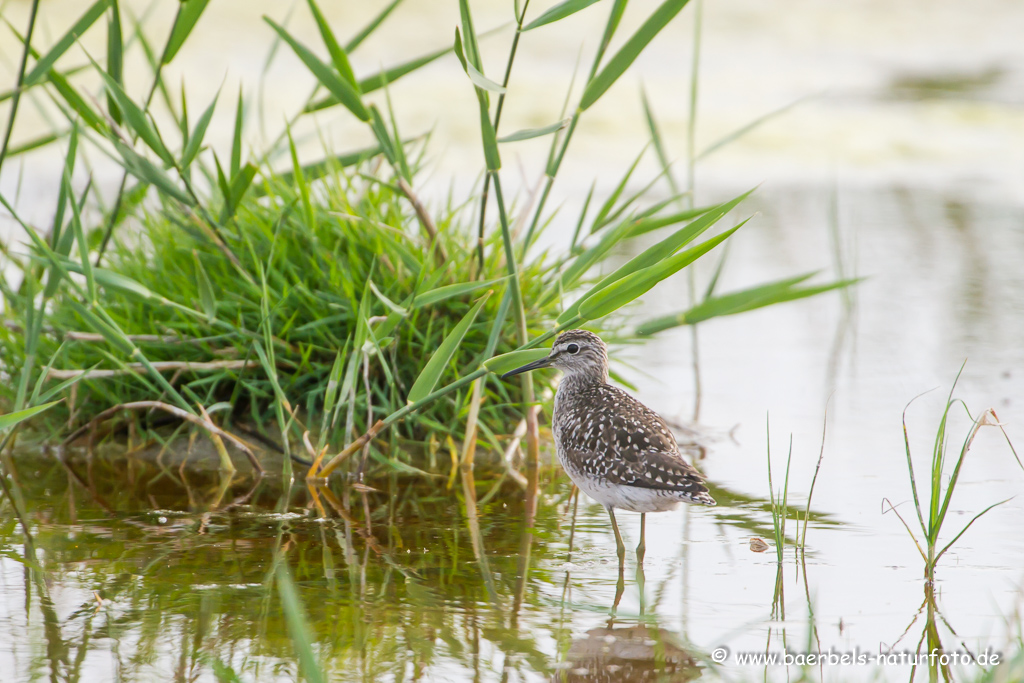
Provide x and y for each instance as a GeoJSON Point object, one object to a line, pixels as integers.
{"type": "Point", "coordinates": [912, 136]}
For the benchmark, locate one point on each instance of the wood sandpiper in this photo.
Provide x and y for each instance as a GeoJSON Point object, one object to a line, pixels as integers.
{"type": "Point", "coordinates": [614, 448]}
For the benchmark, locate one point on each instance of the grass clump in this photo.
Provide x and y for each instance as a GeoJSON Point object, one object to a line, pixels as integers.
{"type": "Point", "coordinates": [328, 297]}
{"type": "Point", "coordinates": [348, 277]}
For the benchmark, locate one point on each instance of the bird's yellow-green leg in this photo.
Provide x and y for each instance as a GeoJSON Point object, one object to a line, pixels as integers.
{"type": "Point", "coordinates": [641, 548]}
{"type": "Point", "coordinates": [620, 547]}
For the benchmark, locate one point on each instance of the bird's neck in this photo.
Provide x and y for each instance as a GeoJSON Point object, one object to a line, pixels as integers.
{"type": "Point", "coordinates": [582, 378]}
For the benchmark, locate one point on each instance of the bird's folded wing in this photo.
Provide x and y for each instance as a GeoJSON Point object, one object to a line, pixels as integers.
{"type": "Point", "coordinates": [651, 470]}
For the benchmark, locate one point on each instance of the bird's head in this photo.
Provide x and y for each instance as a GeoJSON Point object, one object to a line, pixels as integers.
{"type": "Point", "coordinates": [577, 353]}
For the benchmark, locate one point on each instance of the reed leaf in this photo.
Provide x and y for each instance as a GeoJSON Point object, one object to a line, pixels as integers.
{"type": "Point", "coordinates": [439, 360]}
{"type": "Point", "coordinates": [46, 62]}
{"type": "Point", "coordinates": [344, 91]}
{"type": "Point", "coordinates": [236, 190]}
{"type": "Point", "coordinates": [136, 118]}
{"type": "Point", "coordinates": [506, 362]}
{"type": "Point", "coordinates": [614, 296]}
{"type": "Point", "coordinates": [530, 133]}
{"type": "Point", "coordinates": [115, 55]}
{"type": "Point", "coordinates": [35, 143]}
{"type": "Point", "coordinates": [195, 139]}
{"type": "Point", "coordinates": [487, 132]}
{"type": "Point", "coordinates": [609, 203]}
{"type": "Point", "coordinates": [146, 171]}
{"type": "Point", "coordinates": [741, 302]}
{"type": "Point", "coordinates": [448, 291]}
{"type": "Point", "coordinates": [672, 243]}
{"type": "Point", "coordinates": [207, 299]}
{"type": "Point", "coordinates": [622, 60]}
{"type": "Point", "coordinates": [380, 79]}
{"type": "Point", "coordinates": [367, 30]}
{"type": "Point", "coordinates": [558, 12]}
{"type": "Point", "coordinates": [236, 139]}
{"type": "Point", "coordinates": [337, 52]}
{"type": "Point", "coordinates": [78, 103]}
{"type": "Point", "coordinates": [188, 15]}
{"type": "Point", "coordinates": [11, 419]}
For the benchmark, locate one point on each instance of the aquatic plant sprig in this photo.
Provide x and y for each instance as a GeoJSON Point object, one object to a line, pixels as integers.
{"type": "Point", "coordinates": [932, 518]}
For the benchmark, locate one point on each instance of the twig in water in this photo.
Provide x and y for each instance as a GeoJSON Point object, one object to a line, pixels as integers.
{"type": "Point", "coordinates": [173, 410]}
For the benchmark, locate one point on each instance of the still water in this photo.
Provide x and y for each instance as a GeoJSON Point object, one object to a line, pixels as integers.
{"type": "Point", "coordinates": [141, 570]}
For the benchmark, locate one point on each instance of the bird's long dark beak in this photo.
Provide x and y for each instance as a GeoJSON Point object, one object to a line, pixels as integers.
{"type": "Point", "coordinates": [542, 363]}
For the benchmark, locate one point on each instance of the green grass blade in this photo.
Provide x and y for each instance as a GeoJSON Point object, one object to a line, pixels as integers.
{"type": "Point", "coordinates": [499, 365]}
{"type": "Point", "coordinates": [439, 294]}
{"type": "Point", "coordinates": [377, 80]}
{"type": "Point", "coordinates": [357, 39]}
{"type": "Point", "coordinates": [115, 55]}
{"type": "Point", "coordinates": [319, 169]}
{"type": "Point", "coordinates": [439, 360]}
{"type": "Point", "coordinates": [195, 140]}
{"type": "Point", "coordinates": [388, 303]}
{"type": "Point", "coordinates": [188, 15]}
{"type": "Point", "coordinates": [331, 394]}
{"type": "Point", "coordinates": [111, 280]}
{"type": "Point", "coordinates": [11, 419]}
{"type": "Point", "coordinates": [35, 143]}
{"type": "Point", "coordinates": [968, 526]}
{"type": "Point", "coordinates": [558, 12]}
{"type": "Point", "coordinates": [676, 240]}
{"type": "Point", "coordinates": [481, 81]}
{"type": "Point", "coordinates": [643, 225]}
{"type": "Point", "coordinates": [530, 133]}
{"type": "Point", "coordinates": [487, 132]}
{"type": "Point", "coordinates": [380, 131]}
{"type": "Point", "coordinates": [658, 142]}
{"type": "Point", "coordinates": [654, 254]}
{"type": "Point", "coordinates": [236, 140]}
{"type": "Point", "coordinates": [621, 61]}
{"type": "Point", "coordinates": [62, 246]}
{"type": "Point", "coordinates": [472, 45]}
{"type": "Point", "coordinates": [614, 18]}
{"type": "Point", "coordinates": [337, 52]}
{"type": "Point", "coordinates": [78, 103]}
{"type": "Point", "coordinates": [344, 91]}
{"type": "Point", "coordinates": [741, 302]}
{"type": "Point", "coordinates": [146, 171]}
{"type": "Point", "coordinates": [236, 190]}
{"type": "Point", "coordinates": [112, 335]}
{"type": "Point", "coordinates": [736, 134]}
{"type": "Point", "coordinates": [913, 478]}
{"type": "Point", "coordinates": [46, 62]}
{"type": "Point", "coordinates": [298, 627]}
{"type": "Point", "coordinates": [83, 244]}
{"type": "Point", "coordinates": [586, 259]}
{"type": "Point", "coordinates": [298, 179]}
{"type": "Point", "coordinates": [136, 118]}
{"type": "Point", "coordinates": [59, 389]}
{"type": "Point", "coordinates": [489, 135]}
{"type": "Point", "coordinates": [609, 203]}
{"type": "Point", "coordinates": [583, 217]}
{"type": "Point", "coordinates": [621, 292]}
{"type": "Point", "coordinates": [207, 299]}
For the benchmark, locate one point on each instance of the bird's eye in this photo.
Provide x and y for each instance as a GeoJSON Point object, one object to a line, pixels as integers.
{"type": "Point", "coordinates": [573, 348]}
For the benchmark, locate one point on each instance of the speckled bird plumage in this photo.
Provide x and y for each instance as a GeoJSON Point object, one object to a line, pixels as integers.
{"type": "Point", "coordinates": [614, 448]}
